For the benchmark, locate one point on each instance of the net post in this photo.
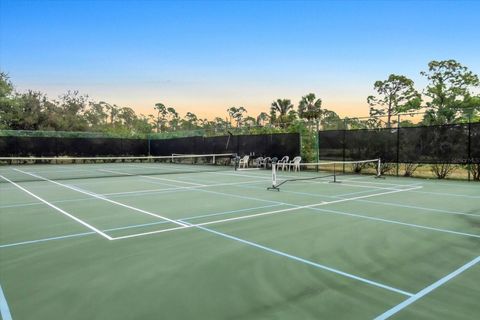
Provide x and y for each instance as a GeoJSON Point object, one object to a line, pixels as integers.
{"type": "Point", "coordinates": [236, 160]}
{"type": "Point", "coordinates": [274, 177]}
{"type": "Point", "coordinates": [334, 173]}
{"type": "Point", "coordinates": [379, 170]}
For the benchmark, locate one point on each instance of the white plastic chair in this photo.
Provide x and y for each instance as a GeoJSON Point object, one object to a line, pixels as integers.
{"type": "Point", "coordinates": [243, 161]}
{"type": "Point", "coordinates": [266, 161]}
{"type": "Point", "coordinates": [295, 164]}
{"type": "Point", "coordinates": [282, 163]}
{"type": "Point", "coordinates": [259, 162]}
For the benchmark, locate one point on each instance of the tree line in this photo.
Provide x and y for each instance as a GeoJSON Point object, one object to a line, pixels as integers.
{"type": "Point", "coordinates": [449, 97]}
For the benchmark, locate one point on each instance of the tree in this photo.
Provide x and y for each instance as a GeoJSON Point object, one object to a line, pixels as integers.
{"type": "Point", "coordinates": [174, 118]}
{"type": "Point", "coordinates": [72, 108]}
{"type": "Point", "coordinates": [112, 111]}
{"type": "Point", "coordinates": [142, 125]}
{"type": "Point", "coordinates": [449, 88]}
{"type": "Point", "coordinates": [96, 116]}
{"type": "Point", "coordinates": [262, 118]}
{"type": "Point", "coordinates": [330, 120]}
{"type": "Point", "coordinates": [394, 95]}
{"type": "Point", "coordinates": [190, 121]}
{"type": "Point", "coordinates": [279, 111]}
{"type": "Point", "coordinates": [470, 109]}
{"type": "Point", "coordinates": [250, 121]}
{"type": "Point", "coordinates": [28, 113]}
{"type": "Point", "coordinates": [236, 113]}
{"type": "Point", "coordinates": [310, 107]}
{"type": "Point", "coordinates": [6, 101]}
{"type": "Point", "coordinates": [219, 124]}
{"type": "Point", "coordinates": [161, 115]}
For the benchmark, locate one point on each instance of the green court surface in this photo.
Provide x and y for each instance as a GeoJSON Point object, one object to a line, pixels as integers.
{"type": "Point", "coordinates": [218, 245]}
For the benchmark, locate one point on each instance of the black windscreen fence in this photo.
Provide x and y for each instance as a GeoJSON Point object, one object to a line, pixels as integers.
{"type": "Point", "coordinates": [437, 144]}
{"type": "Point", "coordinates": [72, 147]}
{"type": "Point", "coordinates": [370, 144]}
{"type": "Point", "coordinates": [475, 142]}
{"type": "Point", "coordinates": [273, 145]}
{"type": "Point", "coordinates": [454, 144]}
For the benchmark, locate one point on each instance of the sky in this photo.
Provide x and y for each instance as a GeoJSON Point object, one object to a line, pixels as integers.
{"type": "Point", "coordinates": [206, 56]}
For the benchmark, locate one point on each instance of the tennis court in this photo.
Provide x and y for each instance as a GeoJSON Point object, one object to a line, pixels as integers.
{"type": "Point", "coordinates": [141, 241]}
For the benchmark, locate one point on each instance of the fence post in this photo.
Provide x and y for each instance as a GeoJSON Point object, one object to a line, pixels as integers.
{"type": "Point", "coordinates": [398, 144]}
{"type": "Point", "coordinates": [317, 144]}
{"type": "Point", "coordinates": [300, 130]}
{"type": "Point", "coordinates": [344, 143]}
{"type": "Point", "coordinates": [469, 146]}
{"type": "Point", "coordinates": [148, 142]}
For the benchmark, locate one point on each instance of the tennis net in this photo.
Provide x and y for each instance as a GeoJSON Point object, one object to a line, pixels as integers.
{"type": "Point", "coordinates": [24, 169]}
{"type": "Point", "coordinates": [330, 171]}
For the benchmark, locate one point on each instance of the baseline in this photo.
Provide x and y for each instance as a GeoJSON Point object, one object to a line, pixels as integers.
{"type": "Point", "coordinates": [4, 310]}
{"type": "Point", "coordinates": [97, 196]}
{"type": "Point", "coordinates": [106, 236]}
{"type": "Point", "coordinates": [387, 314]}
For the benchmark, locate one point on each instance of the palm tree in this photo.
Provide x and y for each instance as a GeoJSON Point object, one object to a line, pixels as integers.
{"type": "Point", "coordinates": [282, 107]}
{"type": "Point", "coordinates": [237, 114]}
{"type": "Point", "coordinates": [310, 107]}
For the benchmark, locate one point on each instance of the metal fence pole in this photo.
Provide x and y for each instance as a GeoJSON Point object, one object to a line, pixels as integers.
{"type": "Point", "coordinates": [398, 145]}
{"type": "Point", "coordinates": [469, 146]}
{"type": "Point", "coordinates": [344, 142]}
{"type": "Point", "coordinates": [300, 130]}
{"type": "Point", "coordinates": [317, 144]}
{"type": "Point", "coordinates": [148, 142]}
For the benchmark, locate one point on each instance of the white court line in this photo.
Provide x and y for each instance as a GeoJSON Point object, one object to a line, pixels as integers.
{"type": "Point", "coordinates": [170, 180]}
{"type": "Point", "coordinates": [137, 192]}
{"type": "Point", "coordinates": [251, 198]}
{"type": "Point", "coordinates": [311, 263]}
{"type": "Point", "coordinates": [4, 310]}
{"type": "Point", "coordinates": [175, 188]}
{"type": "Point", "coordinates": [7, 245]}
{"type": "Point", "coordinates": [269, 178]}
{"type": "Point", "coordinates": [450, 194]}
{"type": "Point", "coordinates": [95, 195]}
{"type": "Point", "coordinates": [429, 192]}
{"type": "Point", "coordinates": [202, 190]}
{"type": "Point", "coordinates": [323, 203]}
{"type": "Point", "coordinates": [398, 222]}
{"type": "Point", "coordinates": [135, 235]}
{"type": "Point", "coordinates": [59, 210]}
{"type": "Point", "coordinates": [347, 213]}
{"type": "Point", "coordinates": [427, 290]}
{"type": "Point", "coordinates": [393, 204]}
{"type": "Point", "coordinates": [271, 212]}
{"type": "Point", "coordinates": [353, 214]}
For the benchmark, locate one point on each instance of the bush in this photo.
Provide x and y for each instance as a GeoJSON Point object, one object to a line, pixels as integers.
{"type": "Point", "coordinates": [475, 170]}
{"type": "Point", "coordinates": [386, 167]}
{"type": "Point", "coordinates": [442, 170]}
{"type": "Point", "coordinates": [409, 169]}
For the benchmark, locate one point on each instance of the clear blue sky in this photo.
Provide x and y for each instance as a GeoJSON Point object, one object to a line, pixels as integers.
{"type": "Point", "coordinates": [204, 56]}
